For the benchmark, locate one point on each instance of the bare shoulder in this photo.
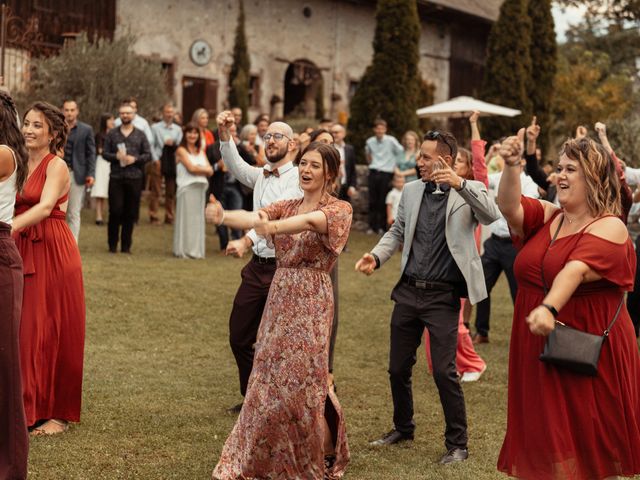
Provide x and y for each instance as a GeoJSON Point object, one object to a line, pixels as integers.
{"type": "Point", "coordinates": [609, 228]}
{"type": "Point", "coordinates": [57, 167]}
{"type": "Point", "coordinates": [549, 209]}
{"type": "Point", "coordinates": [7, 161]}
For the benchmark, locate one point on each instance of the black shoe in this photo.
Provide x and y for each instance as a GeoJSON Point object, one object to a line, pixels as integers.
{"type": "Point", "coordinates": [454, 455]}
{"type": "Point", "coordinates": [99, 222]}
{"type": "Point", "coordinates": [113, 250]}
{"type": "Point", "coordinates": [235, 409]}
{"type": "Point", "coordinates": [394, 436]}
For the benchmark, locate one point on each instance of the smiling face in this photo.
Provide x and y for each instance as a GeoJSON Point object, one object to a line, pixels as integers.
{"type": "Point", "coordinates": [570, 182]}
{"type": "Point", "coordinates": [35, 130]}
{"type": "Point", "coordinates": [192, 137]}
{"type": "Point", "coordinates": [71, 112]}
{"type": "Point", "coordinates": [427, 157]}
{"type": "Point", "coordinates": [275, 149]}
{"type": "Point", "coordinates": [312, 172]}
{"type": "Point", "coordinates": [461, 166]}
{"type": "Point", "coordinates": [203, 120]}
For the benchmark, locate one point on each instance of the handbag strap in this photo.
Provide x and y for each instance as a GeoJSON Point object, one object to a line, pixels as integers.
{"type": "Point", "coordinates": [544, 282]}
{"type": "Point", "coordinates": [555, 235]}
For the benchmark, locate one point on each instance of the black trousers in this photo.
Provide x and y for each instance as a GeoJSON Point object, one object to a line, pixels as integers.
{"type": "Point", "coordinates": [438, 311]}
{"type": "Point", "coordinates": [246, 314]}
{"type": "Point", "coordinates": [379, 186]}
{"type": "Point", "coordinates": [633, 299]}
{"type": "Point", "coordinates": [499, 255]}
{"type": "Point", "coordinates": [124, 204]}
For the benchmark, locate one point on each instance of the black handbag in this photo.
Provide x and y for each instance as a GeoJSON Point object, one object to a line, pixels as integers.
{"type": "Point", "coordinates": [573, 349]}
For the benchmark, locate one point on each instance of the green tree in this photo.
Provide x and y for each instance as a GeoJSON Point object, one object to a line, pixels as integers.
{"type": "Point", "coordinates": [98, 75]}
{"type": "Point", "coordinates": [239, 76]}
{"type": "Point", "coordinates": [390, 86]}
{"type": "Point", "coordinates": [508, 68]}
{"type": "Point", "coordinates": [611, 9]}
{"type": "Point", "coordinates": [543, 52]}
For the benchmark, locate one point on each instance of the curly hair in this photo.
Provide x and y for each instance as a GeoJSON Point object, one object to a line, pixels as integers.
{"type": "Point", "coordinates": [11, 136]}
{"type": "Point", "coordinates": [600, 175]}
{"type": "Point", "coordinates": [57, 125]}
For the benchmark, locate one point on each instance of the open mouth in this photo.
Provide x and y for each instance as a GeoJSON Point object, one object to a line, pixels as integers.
{"type": "Point", "coordinates": [563, 186]}
{"type": "Point", "coordinates": [306, 178]}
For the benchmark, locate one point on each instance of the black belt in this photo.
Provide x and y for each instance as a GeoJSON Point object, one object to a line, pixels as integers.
{"type": "Point", "coordinates": [501, 239]}
{"type": "Point", "coordinates": [263, 260]}
{"type": "Point", "coordinates": [427, 285]}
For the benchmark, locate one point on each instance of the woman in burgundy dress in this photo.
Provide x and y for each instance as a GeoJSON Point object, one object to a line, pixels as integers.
{"type": "Point", "coordinates": [53, 310]}
{"type": "Point", "coordinates": [561, 424]}
{"type": "Point", "coordinates": [14, 441]}
{"type": "Point", "coordinates": [291, 424]}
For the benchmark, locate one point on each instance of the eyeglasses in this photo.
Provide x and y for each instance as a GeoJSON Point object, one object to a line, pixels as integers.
{"type": "Point", "coordinates": [435, 135]}
{"type": "Point", "coordinates": [276, 136]}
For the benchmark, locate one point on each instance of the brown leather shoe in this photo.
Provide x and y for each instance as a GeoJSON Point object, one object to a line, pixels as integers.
{"type": "Point", "coordinates": [454, 455]}
{"type": "Point", "coordinates": [478, 339]}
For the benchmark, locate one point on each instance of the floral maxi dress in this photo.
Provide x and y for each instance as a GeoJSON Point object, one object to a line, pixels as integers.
{"type": "Point", "coordinates": [280, 431]}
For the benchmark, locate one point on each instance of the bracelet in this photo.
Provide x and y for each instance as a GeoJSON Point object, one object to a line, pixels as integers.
{"type": "Point", "coordinates": [222, 219]}
{"type": "Point", "coordinates": [551, 308]}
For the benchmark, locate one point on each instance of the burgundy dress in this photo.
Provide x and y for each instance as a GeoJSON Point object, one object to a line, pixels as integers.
{"type": "Point", "coordinates": [53, 310]}
{"type": "Point", "coordinates": [563, 425]}
{"type": "Point", "coordinates": [279, 433]}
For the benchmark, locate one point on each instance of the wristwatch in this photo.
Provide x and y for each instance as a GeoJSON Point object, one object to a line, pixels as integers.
{"type": "Point", "coordinates": [462, 185]}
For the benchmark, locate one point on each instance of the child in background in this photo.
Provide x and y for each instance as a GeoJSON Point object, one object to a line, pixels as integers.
{"type": "Point", "coordinates": [393, 198]}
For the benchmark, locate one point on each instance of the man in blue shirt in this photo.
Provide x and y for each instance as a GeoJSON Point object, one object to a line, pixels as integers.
{"type": "Point", "coordinates": [381, 151]}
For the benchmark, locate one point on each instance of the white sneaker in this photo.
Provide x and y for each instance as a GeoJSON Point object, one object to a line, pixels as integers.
{"type": "Point", "coordinates": [472, 376]}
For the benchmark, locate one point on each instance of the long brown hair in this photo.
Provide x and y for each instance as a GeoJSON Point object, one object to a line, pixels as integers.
{"type": "Point", "coordinates": [11, 136]}
{"type": "Point", "coordinates": [57, 125]}
{"type": "Point", "coordinates": [600, 175]}
{"type": "Point", "coordinates": [330, 159]}
{"type": "Point", "coordinates": [467, 157]}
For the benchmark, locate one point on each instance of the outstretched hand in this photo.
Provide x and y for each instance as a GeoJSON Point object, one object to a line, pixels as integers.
{"type": "Point", "coordinates": [214, 213]}
{"type": "Point", "coordinates": [261, 225]}
{"type": "Point", "coordinates": [366, 265]}
{"type": "Point", "coordinates": [225, 120]}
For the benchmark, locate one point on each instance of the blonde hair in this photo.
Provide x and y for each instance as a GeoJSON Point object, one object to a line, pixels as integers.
{"type": "Point", "coordinates": [411, 133]}
{"type": "Point", "coordinates": [601, 178]}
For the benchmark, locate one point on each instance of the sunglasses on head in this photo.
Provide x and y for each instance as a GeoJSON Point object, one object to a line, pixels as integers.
{"type": "Point", "coordinates": [435, 135]}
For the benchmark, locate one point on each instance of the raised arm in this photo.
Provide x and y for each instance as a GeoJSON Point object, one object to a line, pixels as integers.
{"type": "Point", "coordinates": [241, 170]}
{"type": "Point", "coordinates": [479, 163]}
{"type": "Point", "coordinates": [55, 186]}
{"type": "Point", "coordinates": [532, 166]}
{"type": "Point", "coordinates": [509, 190]}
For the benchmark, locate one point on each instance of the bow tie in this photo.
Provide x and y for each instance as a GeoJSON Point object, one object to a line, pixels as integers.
{"type": "Point", "coordinates": [273, 172]}
{"type": "Point", "coordinates": [430, 187]}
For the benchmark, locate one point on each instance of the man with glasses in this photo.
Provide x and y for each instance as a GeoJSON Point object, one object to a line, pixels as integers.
{"type": "Point", "coordinates": [277, 180]}
{"type": "Point", "coordinates": [127, 148]}
{"type": "Point", "coordinates": [347, 178]}
{"type": "Point", "coordinates": [381, 151]}
{"type": "Point", "coordinates": [435, 226]}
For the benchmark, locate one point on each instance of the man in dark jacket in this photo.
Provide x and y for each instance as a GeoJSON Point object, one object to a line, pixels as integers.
{"type": "Point", "coordinates": [80, 155]}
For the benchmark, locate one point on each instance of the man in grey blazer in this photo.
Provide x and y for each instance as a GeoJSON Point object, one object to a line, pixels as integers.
{"type": "Point", "coordinates": [80, 156]}
{"type": "Point", "coordinates": [435, 225]}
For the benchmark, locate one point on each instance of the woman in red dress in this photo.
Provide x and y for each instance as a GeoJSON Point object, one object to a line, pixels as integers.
{"type": "Point", "coordinates": [53, 310]}
{"type": "Point", "coordinates": [561, 424]}
{"type": "Point", "coordinates": [291, 420]}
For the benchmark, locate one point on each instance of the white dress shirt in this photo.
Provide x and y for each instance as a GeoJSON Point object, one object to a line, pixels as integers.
{"type": "Point", "coordinates": [528, 188]}
{"type": "Point", "coordinates": [266, 190]}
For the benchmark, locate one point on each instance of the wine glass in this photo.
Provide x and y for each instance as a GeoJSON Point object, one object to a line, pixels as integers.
{"type": "Point", "coordinates": [437, 165]}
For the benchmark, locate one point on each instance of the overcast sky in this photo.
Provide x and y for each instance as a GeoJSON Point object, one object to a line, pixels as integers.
{"type": "Point", "coordinates": [570, 16]}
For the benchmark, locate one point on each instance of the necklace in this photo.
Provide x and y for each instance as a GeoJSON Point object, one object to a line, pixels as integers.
{"type": "Point", "coordinates": [574, 220]}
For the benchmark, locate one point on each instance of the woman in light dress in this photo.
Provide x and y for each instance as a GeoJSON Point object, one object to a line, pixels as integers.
{"type": "Point", "coordinates": [100, 189]}
{"type": "Point", "coordinates": [192, 171]}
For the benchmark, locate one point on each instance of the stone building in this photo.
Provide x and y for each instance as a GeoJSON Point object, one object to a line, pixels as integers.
{"type": "Point", "coordinates": [296, 46]}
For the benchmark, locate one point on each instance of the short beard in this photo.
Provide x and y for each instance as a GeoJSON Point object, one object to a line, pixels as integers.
{"type": "Point", "coordinates": [278, 156]}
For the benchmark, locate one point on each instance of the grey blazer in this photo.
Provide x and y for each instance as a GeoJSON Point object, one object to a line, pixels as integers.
{"type": "Point", "coordinates": [464, 210]}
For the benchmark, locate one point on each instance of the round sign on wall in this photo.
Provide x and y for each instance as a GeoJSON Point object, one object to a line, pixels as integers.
{"type": "Point", "coordinates": [200, 52]}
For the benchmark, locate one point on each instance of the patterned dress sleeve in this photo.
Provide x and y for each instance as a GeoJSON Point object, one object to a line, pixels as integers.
{"type": "Point", "coordinates": [614, 262]}
{"type": "Point", "coordinates": [532, 222]}
{"type": "Point", "coordinates": [276, 210]}
{"type": "Point", "coordinates": [339, 215]}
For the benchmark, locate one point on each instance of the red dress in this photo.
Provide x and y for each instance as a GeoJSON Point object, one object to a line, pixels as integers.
{"type": "Point", "coordinates": [53, 310]}
{"type": "Point", "coordinates": [562, 425]}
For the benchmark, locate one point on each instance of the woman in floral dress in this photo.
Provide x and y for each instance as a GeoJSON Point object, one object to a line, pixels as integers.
{"type": "Point", "coordinates": [291, 424]}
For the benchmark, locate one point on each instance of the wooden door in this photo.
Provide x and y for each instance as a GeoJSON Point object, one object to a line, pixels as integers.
{"type": "Point", "coordinates": [199, 93]}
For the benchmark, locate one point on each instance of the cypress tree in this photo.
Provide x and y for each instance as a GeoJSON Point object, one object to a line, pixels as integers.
{"type": "Point", "coordinates": [239, 76]}
{"type": "Point", "coordinates": [389, 88]}
{"type": "Point", "coordinates": [543, 51]}
{"type": "Point", "coordinates": [508, 68]}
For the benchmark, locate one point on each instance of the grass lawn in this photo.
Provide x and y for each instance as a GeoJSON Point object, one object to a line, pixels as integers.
{"type": "Point", "coordinates": [159, 372]}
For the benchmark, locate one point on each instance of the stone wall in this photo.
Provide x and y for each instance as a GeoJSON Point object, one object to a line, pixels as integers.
{"type": "Point", "coordinates": [336, 37]}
